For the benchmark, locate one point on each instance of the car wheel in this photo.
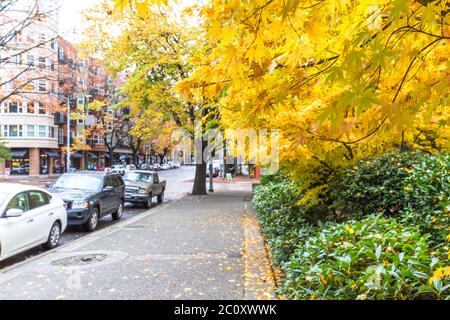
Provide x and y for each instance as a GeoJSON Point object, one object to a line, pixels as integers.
{"type": "Point", "coordinates": [119, 213]}
{"type": "Point", "coordinates": [148, 204]}
{"type": "Point", "coordinates": [161, 197]}
{"type": "Point", "coordinates": [53, 237]}
{"type": "Point", "coordinates": [92, 222]}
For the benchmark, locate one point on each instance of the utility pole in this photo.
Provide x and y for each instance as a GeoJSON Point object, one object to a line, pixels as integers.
{"type": "Point", "coordinates": [211, 171]}
{"type": "Point", "coordinates": [68, 164]}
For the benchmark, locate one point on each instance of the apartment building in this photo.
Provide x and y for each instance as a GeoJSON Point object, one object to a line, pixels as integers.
{"type": "Point", "coordinates": [29, 91]}
{"type": "Point", "coordinates": [48, 76]}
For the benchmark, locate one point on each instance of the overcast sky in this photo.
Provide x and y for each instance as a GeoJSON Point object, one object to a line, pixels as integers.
{"type": "Point", "coordinates": [70, 15]}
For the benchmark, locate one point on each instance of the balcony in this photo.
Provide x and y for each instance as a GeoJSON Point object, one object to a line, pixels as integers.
{"type": "Point", "coordinates": [60, 119]}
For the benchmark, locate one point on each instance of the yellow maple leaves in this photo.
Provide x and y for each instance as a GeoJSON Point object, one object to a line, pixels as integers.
{"type": "Point", "coordinates": [341, 79]}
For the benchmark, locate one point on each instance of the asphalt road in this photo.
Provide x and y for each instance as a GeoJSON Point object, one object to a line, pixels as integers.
{"type": "Point", "coordinates": [177, 186]}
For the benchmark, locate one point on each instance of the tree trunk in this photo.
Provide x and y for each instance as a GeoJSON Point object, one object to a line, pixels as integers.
{"type": "Point", "coordinates": [199, 188]}
{"type": "Point", "coordinates": [200, 180]}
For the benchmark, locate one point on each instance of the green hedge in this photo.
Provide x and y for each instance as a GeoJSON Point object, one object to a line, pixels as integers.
{"type": "Point", "coordinates": [428, 196]}
{"type": "Point", "coordinates": [398, 221]}
{"type": "Point", "coordinates": [375, 258]}
{"type": "Point", "coordinates": [282, 220]}
{"type": "Point", "coordinates": [374, 185]}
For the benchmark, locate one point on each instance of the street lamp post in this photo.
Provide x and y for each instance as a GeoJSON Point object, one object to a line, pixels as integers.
{"type": "Point", "coordinates": [68, 164]}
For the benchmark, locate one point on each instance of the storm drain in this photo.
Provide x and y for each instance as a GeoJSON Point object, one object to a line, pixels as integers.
{"type": "Point", "coordinates": [80, 260]}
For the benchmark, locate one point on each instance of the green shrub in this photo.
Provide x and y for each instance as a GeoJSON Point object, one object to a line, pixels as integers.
{"type": "Point", "coordinates": [374, 185]}
{"type": "Point", "coordinates": [427, 191]}
{"type": "Point", "coordinates": [281, 218]}
{"type": "Point", "coordinates": [376, 258]}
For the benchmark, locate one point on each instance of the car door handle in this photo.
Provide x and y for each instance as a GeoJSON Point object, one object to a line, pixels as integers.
{"type": "Point", "coordinates": [30, 220]}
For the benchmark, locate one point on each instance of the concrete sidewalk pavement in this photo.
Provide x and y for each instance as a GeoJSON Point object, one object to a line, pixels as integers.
{"type": "Point", "coordinates": [193, 248]}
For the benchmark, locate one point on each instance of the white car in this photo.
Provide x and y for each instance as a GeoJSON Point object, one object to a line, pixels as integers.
{"type": "Point", "coordinates": [130, 167]}
{"type": "Point", "coordinates": [29, 216]}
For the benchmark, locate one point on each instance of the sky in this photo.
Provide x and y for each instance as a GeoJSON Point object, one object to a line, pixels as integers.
{"type": "Point", "coordinates": [70, 16]}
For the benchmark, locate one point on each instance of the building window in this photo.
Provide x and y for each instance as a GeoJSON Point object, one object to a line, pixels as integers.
{"type": "Point", "coordinates": [30, 60]}
{"type": "Point", "coordinates": [53, 44]}
{"type": "Point", "coordinates": [42, 37]}
{"type": "Point", "coordinates": [42, 63]}
{"type": "Point", "coordinates": [51, 133]}
{"type": "Point", "coordinates": [42, 108]}
{"type": "Point", "coordinates": [13, 107]}
{"type": "Point", "coordinates": [80, 120]}
{"type": "Point", "coordinates": [42, 131]}
{"type": "Point", "coordinates": [97, 140]}
{"type": "Point", "coordinates": [30, 107]}
{"type": "Point", "coordinates": [42, 86]}
{"type": "Point", "coordinates": [29, 86]}
{"type": "Point", "coordinates": [15, 131]}
{"type": "Point", "coordinates": [30, 131]}
{"type": "Point", "coordinates": [60, 54]}
{"type": "Point", "coordinates": [60, 136]}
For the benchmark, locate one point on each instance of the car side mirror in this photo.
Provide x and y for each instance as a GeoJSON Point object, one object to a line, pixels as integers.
{"type": "Point", "coordinates": [108, 189]}
{"type": "Point", "coordinates": [14, 213]}
{"type": "Point", "coordinates": [48, 185]}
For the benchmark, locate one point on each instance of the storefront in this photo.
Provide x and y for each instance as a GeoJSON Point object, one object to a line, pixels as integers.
{"type": "Point", "coordinates": [92, 160]}
{"type": "Point", "coordinates": [76, 160]}
{"type": "Point", "coordinates": [19, 165]}
{"type": "Point", "coordinates": [49, 162]}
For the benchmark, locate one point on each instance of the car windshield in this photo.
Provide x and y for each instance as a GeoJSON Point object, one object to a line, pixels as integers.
{"type": "Point", "coordinates": [137, 177]}
{"type": "Point", "coordinates": [79, 182]}
{"type": "Point", "coordinates": [3, 197]}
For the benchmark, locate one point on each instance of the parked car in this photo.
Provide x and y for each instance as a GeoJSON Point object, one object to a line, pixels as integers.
{"type": "Point", "coordinates": [176, 165]}
{"type": "Point", "coordinates": [130, 167]}
{"type": "Point", "coordinates": [90, 196]}
{"type": "Point", "coordinates": [118, 168]}
{"type": "Point", "coordinates": [142, 186]}
{"type": "Point", "coordinates": [166, 166]}
{"type": "Point", "coordinates": [157, 167]}
{"type": "Point", "coordinates": [29, 217]}
{"type": "Point", "coordinates": [144, 166]}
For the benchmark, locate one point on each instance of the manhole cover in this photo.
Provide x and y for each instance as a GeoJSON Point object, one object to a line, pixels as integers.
{"type": "Point", "coordinates": [80, 260]}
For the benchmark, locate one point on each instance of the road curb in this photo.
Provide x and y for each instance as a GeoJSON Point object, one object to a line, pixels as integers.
{"type": "Point", "coordinates": [258, 278]}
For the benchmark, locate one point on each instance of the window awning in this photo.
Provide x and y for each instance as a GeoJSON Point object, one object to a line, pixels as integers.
{"type": "Point", "coordinates": [51, 154]}
{"type": "Point", "coordinates": [19, 153]}
{"type": "Point", "coordinates": [92, 155]}
{"type": "Point", "coordinates": [77, 155]}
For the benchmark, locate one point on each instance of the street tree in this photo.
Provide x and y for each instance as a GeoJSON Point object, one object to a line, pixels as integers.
{"type": "Point", "coordinates": [5, 152]}
{"type": "Point", "coordinates": [111, 125]}
{"type": "Point", "coordinates": [151, 51]}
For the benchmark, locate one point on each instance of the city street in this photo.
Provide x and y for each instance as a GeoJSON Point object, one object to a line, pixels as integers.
{"type": "Point", "coordinates": [178, 185]}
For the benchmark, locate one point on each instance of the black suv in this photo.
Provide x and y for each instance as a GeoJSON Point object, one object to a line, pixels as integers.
{"type": "Point", "coordinates": [90, 196]}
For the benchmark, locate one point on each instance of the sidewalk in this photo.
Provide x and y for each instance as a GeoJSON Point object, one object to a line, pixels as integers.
{"type": "Point", "coordinates": [193, 248]}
